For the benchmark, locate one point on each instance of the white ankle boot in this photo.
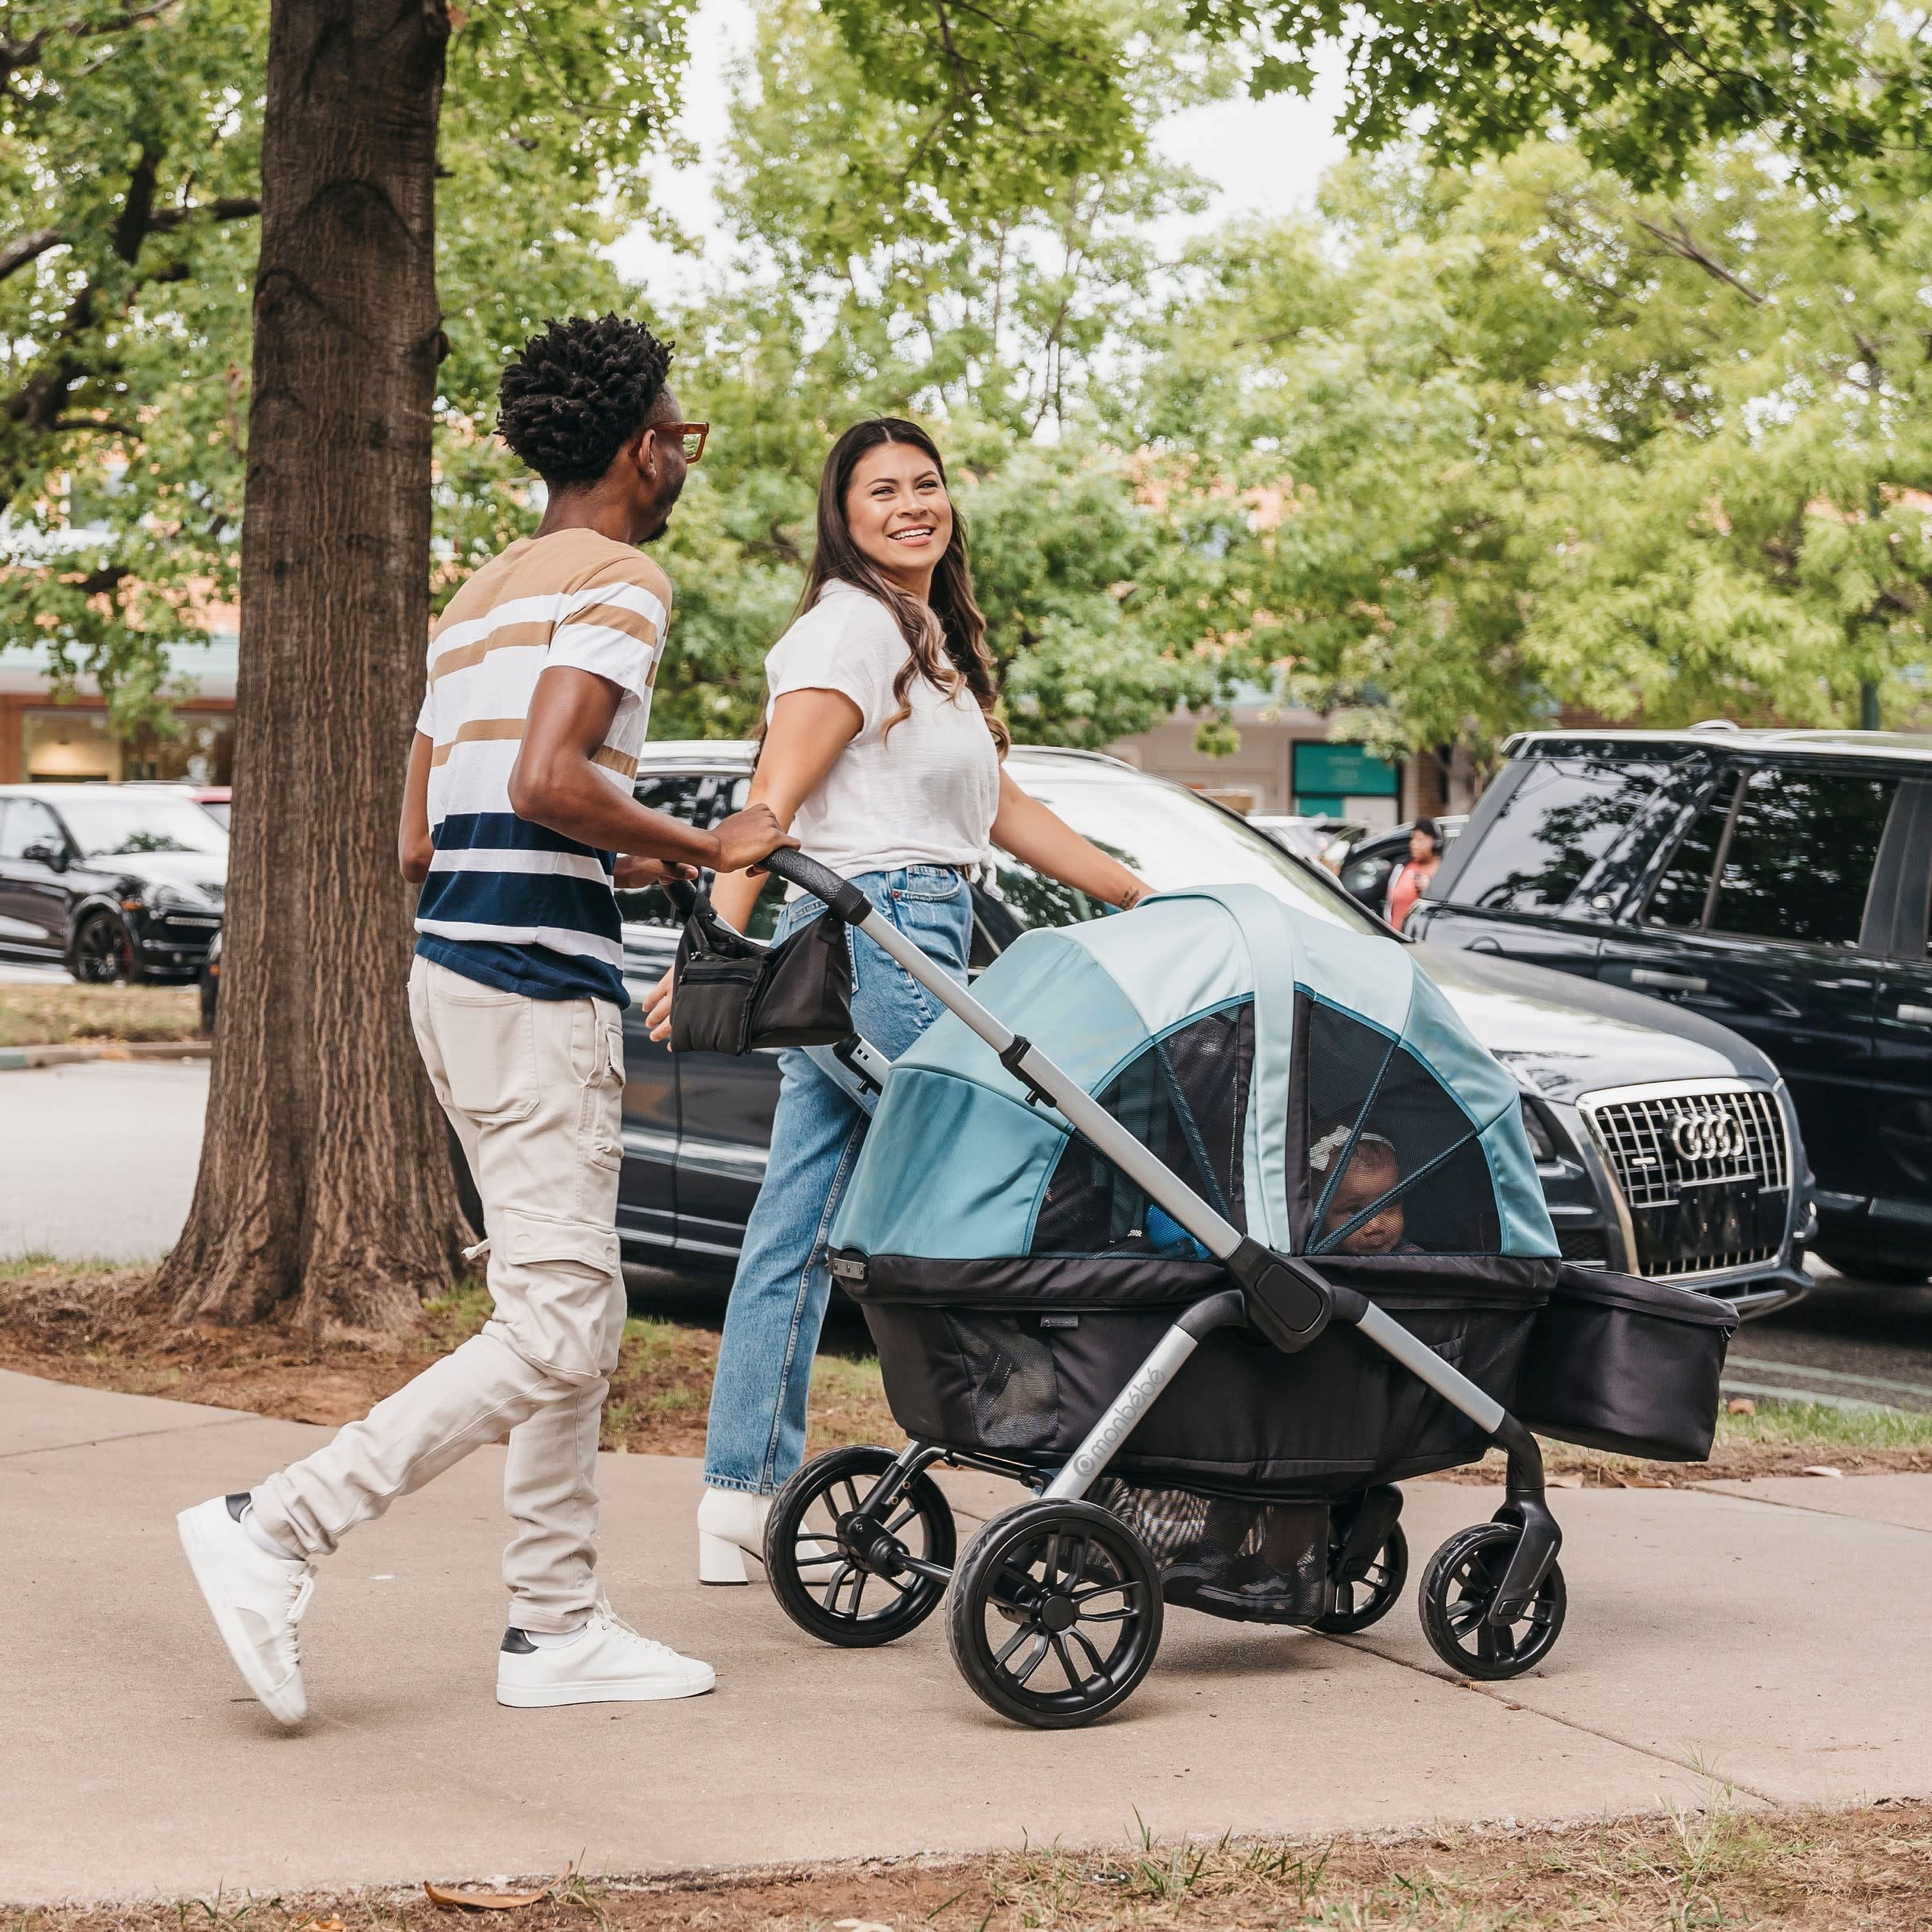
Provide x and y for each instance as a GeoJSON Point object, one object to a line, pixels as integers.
{"type": "Point", "coordinates": [730, 1522]}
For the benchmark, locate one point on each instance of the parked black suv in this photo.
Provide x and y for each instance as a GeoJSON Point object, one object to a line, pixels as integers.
{"type": "Point", "coordinates": [114, 881]}
{"type": "Point", "coordinates": [1779, 882]}
{"type": "Point", "coordinates": [695, 1129]}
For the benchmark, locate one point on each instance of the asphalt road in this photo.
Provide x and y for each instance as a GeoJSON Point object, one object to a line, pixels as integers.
{"type": "Point", "coordinates": [99, 1160]}
{"type": "Point", "coordinates": [1847, 1340]}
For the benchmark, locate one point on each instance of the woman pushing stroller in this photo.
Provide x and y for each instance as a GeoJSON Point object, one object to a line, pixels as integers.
{"type": "Point", "coordinates": [882, 751]}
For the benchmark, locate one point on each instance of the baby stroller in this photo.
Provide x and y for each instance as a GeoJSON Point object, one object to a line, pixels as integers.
{"type": "Point", "coordinates": [1264, 1238]}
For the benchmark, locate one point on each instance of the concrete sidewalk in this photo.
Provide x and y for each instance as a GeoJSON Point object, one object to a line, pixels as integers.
{"type": "Point", "coordinates": [1766, 1636]}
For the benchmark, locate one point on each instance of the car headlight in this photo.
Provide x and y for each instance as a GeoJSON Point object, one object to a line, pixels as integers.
{"type": "Point", "coordinates": [1543, 1143]}
{"type": "Point", "coordinates": [163, 894]}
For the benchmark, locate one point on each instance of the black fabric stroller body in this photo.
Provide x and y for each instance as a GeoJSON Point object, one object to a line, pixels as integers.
{"type": "Point", "coordinates": [1263, 1237]}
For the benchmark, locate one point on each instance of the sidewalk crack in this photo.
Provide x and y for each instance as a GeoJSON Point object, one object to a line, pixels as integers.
{"type": "Point", "coordinates": [1496, 1694]}
{"type": "Point", "coordinates": [1782, 1502]}
{"type": "Point", "coordinates": [102, 1441]}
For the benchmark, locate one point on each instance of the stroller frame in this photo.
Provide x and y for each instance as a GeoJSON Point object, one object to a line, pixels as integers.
{"type": "Point", "coordinates": [1283, 1297]}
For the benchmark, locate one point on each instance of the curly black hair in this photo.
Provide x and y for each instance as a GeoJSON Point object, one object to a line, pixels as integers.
{"type": "Point", "coordinates": [577, 392]}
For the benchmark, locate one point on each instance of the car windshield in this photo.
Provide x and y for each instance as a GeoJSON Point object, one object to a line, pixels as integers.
{"type": "Point", "coordinates": [1170, 837]}
{"type": "Point", "coordinates": [217, 810]}
{"type": "Point", "coordinates": [106, 824]}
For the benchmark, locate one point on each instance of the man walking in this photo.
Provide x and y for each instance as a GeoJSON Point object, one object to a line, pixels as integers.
{"type": "Point", "coordinates": [519, 798]}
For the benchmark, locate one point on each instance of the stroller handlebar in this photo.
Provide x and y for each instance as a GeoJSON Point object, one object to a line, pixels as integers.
{"type": "Point", "coordinates": [821, 881]}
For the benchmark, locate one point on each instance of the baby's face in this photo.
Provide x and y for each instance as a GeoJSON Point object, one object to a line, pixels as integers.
{"type": "Point", "coordinates": [1369, 1176]}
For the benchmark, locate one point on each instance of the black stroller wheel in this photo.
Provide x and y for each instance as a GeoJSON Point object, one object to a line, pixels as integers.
{"type": "Point", "coordinates": [1458, 1588]}
{"type": "Point", "coordinates": [838, 1572]}
{"type": "Point", "coordinates": [1369, 1598]}
{"type": "Point", "coordinates": [1055, 1613]}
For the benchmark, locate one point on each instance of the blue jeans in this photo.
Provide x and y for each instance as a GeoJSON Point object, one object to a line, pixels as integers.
{"type": "Point", "coordinates": [755, 1438]}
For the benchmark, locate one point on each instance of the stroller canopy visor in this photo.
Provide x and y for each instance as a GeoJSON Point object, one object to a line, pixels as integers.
{"type": "Point", "coordinates": [1311, 1084]}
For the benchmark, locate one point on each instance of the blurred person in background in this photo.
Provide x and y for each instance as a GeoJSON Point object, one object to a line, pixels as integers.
{"type": "Point", "coordinates": [1410, 879]}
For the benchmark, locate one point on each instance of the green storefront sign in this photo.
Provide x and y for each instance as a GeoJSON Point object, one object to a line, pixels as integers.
{"type": "Point", "coordinates": [1326, 774]}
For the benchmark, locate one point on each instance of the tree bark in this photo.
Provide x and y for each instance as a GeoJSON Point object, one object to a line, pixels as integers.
{"type": "Point", "coordinates": [325, 1189]}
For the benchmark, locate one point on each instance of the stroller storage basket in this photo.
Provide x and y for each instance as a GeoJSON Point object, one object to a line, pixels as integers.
{"type": "Point", "coordinates": [1627, 1365]}
{"type": "Point", "coordinates": [1018, 1357]}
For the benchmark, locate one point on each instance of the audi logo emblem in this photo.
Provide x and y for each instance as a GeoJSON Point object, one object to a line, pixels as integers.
{"type": "Point", "coordinates": [1707, 1137]}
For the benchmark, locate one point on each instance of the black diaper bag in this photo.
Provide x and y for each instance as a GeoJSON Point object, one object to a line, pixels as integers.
{"type": "Point", "coordinates": [733, 995]}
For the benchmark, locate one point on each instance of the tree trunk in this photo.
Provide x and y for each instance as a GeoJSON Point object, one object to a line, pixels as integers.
{"type": "Point", "coordinates": [325, 1187]}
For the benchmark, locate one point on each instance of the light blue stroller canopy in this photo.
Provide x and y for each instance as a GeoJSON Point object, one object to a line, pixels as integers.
{"type": "Point", "coordinates": [1311, 1082]}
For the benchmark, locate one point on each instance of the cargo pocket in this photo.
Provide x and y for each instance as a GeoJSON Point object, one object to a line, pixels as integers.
{"type": "Point", "coordinates": [559, 1292]}
{"type": "Point", "coordinates": [601, 1142]}
{"type": "Point", "coordinates": [489, 1053]}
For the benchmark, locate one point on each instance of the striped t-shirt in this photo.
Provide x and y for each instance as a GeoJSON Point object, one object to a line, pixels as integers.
{"type": "Point", "coordinates": [507, 902]}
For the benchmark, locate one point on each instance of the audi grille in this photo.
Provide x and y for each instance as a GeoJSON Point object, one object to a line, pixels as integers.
{"type": "Point", "coordinates": [1703, 1169]}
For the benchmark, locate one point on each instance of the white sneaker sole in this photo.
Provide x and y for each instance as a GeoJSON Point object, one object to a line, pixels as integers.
{"type": "Point", "coordinates": [286, 1703]}
{"type": "Point", "coordinates": [620, 1690]}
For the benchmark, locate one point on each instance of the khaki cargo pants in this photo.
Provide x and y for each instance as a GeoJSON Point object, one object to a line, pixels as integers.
{"type": "Point", "coordinates": [534, 1089]}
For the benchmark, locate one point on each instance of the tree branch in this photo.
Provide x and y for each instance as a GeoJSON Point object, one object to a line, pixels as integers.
{"type": "Point", "coordinates": [224, 208]}
{"type": "Point", "coordinates": [105, 424]}
{"type": "Point", "coordinates": [1677, 240]}
{"type": "Point", "coordinates": [27, 248]}
{"type": "Point", "coordinates": [137, 206]}
{"type": "Point", "coordinates": [15, 55]}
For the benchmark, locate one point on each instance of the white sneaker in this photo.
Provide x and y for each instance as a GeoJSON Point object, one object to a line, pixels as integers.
{"type": "Point", "coordinates": [730, 1522]}
{"type": "Point", "coordinates": [608, 1664]}
{"type": "Point", "coordinates": [257, 1601]}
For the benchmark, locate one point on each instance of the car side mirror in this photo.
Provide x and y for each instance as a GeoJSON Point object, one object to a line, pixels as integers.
{"type": "Point", "coordinates": [43, 852]}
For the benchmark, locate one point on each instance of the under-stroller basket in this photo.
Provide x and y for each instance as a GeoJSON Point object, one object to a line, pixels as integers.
{"type": "Point", "coordinates": [1254, 1562]}
{"type": "Point", "coordinates": [1627, 1365]}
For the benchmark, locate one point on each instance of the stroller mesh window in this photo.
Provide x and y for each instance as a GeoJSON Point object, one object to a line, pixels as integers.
{"type": "Point", "coordinates": [1011, 1383]}
{"type": "Point", "coordinates": [1391, 1165]}
{"type": "Point", "coordinates": [1258, 1562]}
{"type": "Point", "coordinates": [1186, 1099]}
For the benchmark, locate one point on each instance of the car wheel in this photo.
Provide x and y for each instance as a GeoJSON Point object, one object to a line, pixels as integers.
{"type": "Point", "coordinates": [101, 954]}
{"type": "Point", "coordinates": [1886, 1274]}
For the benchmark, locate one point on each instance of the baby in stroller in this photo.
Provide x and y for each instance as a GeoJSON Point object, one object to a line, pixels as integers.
{"type": "Point", "coordinates": [1370, 1176]}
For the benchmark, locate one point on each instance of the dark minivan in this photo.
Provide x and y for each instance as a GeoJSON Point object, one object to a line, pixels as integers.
{"type": "Point", "coordinates": [1779, 881]}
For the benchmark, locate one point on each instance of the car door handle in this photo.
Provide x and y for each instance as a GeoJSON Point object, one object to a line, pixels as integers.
{"type": "Point", "coordinates": [1668, 982]}
{"type": "Point", "coordinates": [1920, 1015]}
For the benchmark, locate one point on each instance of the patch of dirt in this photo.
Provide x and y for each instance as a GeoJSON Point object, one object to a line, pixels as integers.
{"type": "Point", "coordinates": [104, 1329]}
{"type": "Point", "coordinates": [1799, 1870]}
{"type": "Point", "coordinates": [56, 1015]}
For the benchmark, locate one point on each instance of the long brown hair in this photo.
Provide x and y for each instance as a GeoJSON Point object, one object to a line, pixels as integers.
{"type": "Point", "coordinates": [946, 639]}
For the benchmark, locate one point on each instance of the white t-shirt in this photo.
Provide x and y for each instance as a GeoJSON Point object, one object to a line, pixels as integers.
{"type": "Point", "coordinates": [927, 793]}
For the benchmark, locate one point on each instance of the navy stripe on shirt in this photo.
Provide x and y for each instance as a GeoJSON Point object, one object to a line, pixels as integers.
{"type": "Point", "coordinates": [533, 971]}
{"type": "Point", "coordinates": [522, 899]}
{"type": "Point", "coordinates": [505, 831]}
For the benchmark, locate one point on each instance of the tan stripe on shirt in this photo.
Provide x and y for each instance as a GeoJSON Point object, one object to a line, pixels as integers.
{"type": "Point", "coordinates": [614, 617]}
{"type": "Point", "coordinates": [534, 635]}
{"type": "Point", "coordinates": [474, 728]}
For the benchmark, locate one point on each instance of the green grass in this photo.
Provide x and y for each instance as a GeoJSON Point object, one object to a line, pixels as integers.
{"type": "Point", "coordinates": [1781, 1425]}
{"type": "Point", "coordinates": [55, 1015]}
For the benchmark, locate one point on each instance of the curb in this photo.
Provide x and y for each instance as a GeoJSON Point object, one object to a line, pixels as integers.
{"type": "Point", "coordinates": [16, 1057]}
